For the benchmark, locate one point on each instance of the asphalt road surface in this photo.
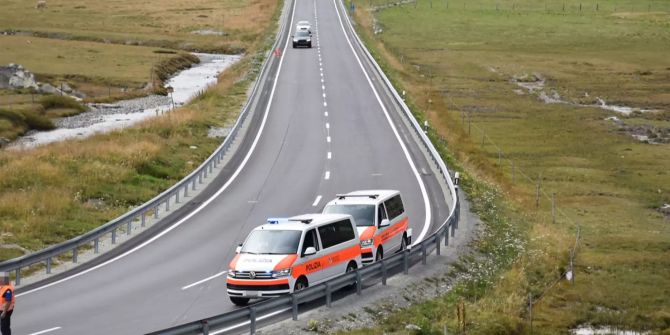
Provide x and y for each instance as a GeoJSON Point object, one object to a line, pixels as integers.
{"type": "Point", "coordinates": [326, 131]}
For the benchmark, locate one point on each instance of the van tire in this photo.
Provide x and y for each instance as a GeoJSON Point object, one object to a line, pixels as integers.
{"type": "Point", "coordinates": [403, 243]}
{"type": "Point", "coordinates": [380, 255]}
{"type": "Point", "coordinates": [350, 268]}
{"type": "Point", "coordinates": [300, 284]}
{"type": "Point", "coordinates": [239, 301]}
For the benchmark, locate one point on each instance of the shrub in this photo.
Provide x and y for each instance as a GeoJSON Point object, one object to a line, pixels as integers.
{"type": "Point", "coordinates": [61, 101]}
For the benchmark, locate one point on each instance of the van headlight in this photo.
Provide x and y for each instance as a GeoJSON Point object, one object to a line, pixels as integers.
{"type": "Point", "coordinates": [367, 243]}
{"type": "Point", "coordinates": [231, 273]}
{"type": "Point", "coordinates": [281, 273]}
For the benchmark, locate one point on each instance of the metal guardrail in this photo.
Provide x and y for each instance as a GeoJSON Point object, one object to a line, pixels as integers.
{"type": "Point", "coordinates": [362, 277]}
{"type": "Point", "coordinates": [154, 206]}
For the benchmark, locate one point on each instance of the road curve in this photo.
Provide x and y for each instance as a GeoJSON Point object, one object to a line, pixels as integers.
{"type": "Point", "coordinates": [326, 131]}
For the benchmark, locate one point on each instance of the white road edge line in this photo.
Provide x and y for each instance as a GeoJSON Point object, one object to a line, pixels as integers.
{"type": "Point", "coordinates": [206, 202]}
{"type": "Point", "coordinates": [204, 280]}
{"type": "Point", "coordinates": [247, 322]}
{"type": "Point", "coordinates": [45, 331]}
{"type": "Point", "coordinates": [316, 201]}
{"type": "Point", "coordinates": [327, 176]}
{"type": "Point", "coordinates": [330, 155]}
{"type": "Point", "coordinates": [426, 224]}
{"type": "Point", "coordinates": [328, 139]}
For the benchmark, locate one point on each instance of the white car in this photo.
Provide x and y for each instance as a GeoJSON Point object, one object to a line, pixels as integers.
{"type": "Point", "coordinates": [304, 25]}
{"type": "Point", "coordinates": [287, 255]}
{"type": "Point", "coordinates": [380, 218]}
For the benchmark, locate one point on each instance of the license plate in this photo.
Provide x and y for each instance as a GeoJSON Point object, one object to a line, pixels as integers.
{"type": "Point", "coordinates": [252, 294]}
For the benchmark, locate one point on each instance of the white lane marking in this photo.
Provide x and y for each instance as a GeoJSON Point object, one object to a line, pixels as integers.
{"type": "Point", "coordinates": [325, 104]}
{"type": "Point", "coordinates": [324, 95]}
{"type": "Point", "coordinates": [328, 139]}
{"type": "Point", "coordinates": [206, 202]}
{"type": "Point", "coordinates": [376, 174]}
{"type": "Point", "coordinates": [330, 155]}
{"type": "Point", "coordinates": [204, 280]}
{"type": "Point", "coordinates": [323, 87]}
{"type": "Point", "coordinates": [325, 113]}
{"type": "Point", "coordinates": [327, 125]}
{"type": "Point", "coordinates": [322, 79]}
{"type": "Point", "coordinates": [316, 201]}
{"type": "Point", "coordinates": [327, 176]}
{"type": "Point", "coordinates": [45, 331]}
{"type": "Point", "coordinates": [247, 322]}
{"type": "Point", "coordinates": [424, 194]}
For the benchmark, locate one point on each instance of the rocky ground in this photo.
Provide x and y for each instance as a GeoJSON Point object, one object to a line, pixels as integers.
{"type": "Point", "coordinates": [96, 111]}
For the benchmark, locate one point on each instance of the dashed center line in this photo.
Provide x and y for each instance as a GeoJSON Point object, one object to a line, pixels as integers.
{"type": "Point", "coordinates": [327, 125]}
{"type": "Point", "coordinates": [328, 139]}
{"type": "Point", "coordinates": [316, 201]}
{"type": "Point", "coordinates": [330, 155]}
{"type": "Point", "coordinates": [327, 176]}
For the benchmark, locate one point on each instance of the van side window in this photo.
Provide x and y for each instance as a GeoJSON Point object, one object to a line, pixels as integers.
{"type": "Point", "coordinates": [336, 233]}
{"type": "Point", "coordinates": [381, 213]}
{"type": "Point", "coordinates": [310, 241]}
{"type": "Point", "coordinates": [394, 207]}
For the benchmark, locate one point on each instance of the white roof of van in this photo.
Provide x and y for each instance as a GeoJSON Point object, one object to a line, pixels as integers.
{"type": "Point", "coordinates": [363, 197]}
{"type": "Point", "coordinates": [302, 222]}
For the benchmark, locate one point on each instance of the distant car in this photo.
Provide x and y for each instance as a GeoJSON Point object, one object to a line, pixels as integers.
{"type": "Point", "coordinates": [302, 38]}
{"type": "Point", "coordinates": [304, 25]}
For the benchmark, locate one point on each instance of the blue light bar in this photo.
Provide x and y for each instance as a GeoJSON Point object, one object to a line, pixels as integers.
{"type": "Point", "coordinates": [277, 220]}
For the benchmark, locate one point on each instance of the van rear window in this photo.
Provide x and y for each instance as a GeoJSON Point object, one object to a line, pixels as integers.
{"type": "Point", "coordinates": [278, 242]}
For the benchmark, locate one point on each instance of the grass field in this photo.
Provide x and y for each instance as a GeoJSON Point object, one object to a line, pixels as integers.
{"type": "Point", "coordinates": [58, 191]}
{"type": "Point", "coordinates": [458, 64]}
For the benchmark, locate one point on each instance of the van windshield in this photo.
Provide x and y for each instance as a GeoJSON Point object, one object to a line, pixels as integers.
{"type": "Point", "coordinates": [364, 215]}
{"type": "Point", "coordinates": [277, 242]}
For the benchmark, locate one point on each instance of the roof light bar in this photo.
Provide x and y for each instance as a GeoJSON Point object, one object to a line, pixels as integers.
{"type": "Point", "coordinates": [343, 196]}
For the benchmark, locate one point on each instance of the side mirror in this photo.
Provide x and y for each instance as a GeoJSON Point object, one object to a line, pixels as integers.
{"type": "Point", "coordinates": [309, 251]}
{"type": "Point", "coordinates": [238, 249]}
{"type": "Point", "coordinates": [384, 223]}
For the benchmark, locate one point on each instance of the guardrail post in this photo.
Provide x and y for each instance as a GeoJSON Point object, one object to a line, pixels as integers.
{"type": "Point", "coordinates": [252, 320]}
{"type": "Point", "coordinates": [383, 272]}
{"type": "Point", "coordinates": [329, 297]}
{"type": "Point", "coordinates": [294, 307]}
{"type": "Point", "coordinates": [96, 245]}
{"type": "Point", "coordinates": [204, 171]}
{"type": "Point", "coordinates": [17, 281]}
{"type": "Point", "coordinates": [49, 265]}
{"type": "Point", "coordinates": [210, 167]}
{"type": "Point", "coordinates": [144, 219]}
{"type": "Point", "coordinates": [129, 227]}
{"type": "Point", "coordinates": [437, 244]}
{"type": "Point", "coordinates": [193, 184]}
{"type": "Point", "coordinates": [446, 234]}
{"type": "Point", "coordinates": [423, 253]}
{"type": "Point", "coordinates": [74, 255]}
{"type": "Point", "coordinates": [405, 261]}
{"type": "Point", "coordinates": [359, 284]}
{"type": "Point", "coordinates": [200, 178]}
{"type": "Point", "coordinates": [176, 199]}
{"type": "Point", "coordinates": [156, 212]}
{"type": "Point", "coordinates": [167, 204]}
{"type": "Point", "coordinates": [114, 236]}
{"type": "Point", "coordinates": [205, 327]}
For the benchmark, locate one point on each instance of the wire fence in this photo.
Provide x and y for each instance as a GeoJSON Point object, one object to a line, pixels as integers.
{"type": "Point", "coordinates": [520, 6]}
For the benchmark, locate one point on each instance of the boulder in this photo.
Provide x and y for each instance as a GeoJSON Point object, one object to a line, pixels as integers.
{"type": "Point", "coordinates": [48, 89]}
{"type": "Point", "coordinates": [15, 76]}
{"type": "Point", "coordinates": [66, 88]}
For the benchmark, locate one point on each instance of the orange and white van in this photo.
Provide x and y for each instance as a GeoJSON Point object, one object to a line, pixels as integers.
{"type": "Point", "coordinates": [381, 221]}
{"type": "Point", "coordinates": [287, 255]}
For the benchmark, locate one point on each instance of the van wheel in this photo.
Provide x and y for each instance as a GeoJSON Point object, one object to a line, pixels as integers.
{"type": "Point", "coordinates": [403, 243]}
{"type": "Point", "coordinates": [239, 301]}
{"type": "Point", "coordinates": [380, 254]}
{"type": "Point", "coordinates": [301, 284]}
{"type": "Point", "coordinates": [351, 267]}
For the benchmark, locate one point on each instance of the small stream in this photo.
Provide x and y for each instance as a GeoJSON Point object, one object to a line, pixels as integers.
{"type": "Point", "coordinates": [102, 118]}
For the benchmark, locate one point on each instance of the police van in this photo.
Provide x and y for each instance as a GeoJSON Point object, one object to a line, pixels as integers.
{"type": "Point", "coordinates": [380, 218]}
{"type": "Point", "coordinates": [287, 255]}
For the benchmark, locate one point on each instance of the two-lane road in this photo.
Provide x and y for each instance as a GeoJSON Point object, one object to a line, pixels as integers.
{"type": "Point", "coordinates": [326, 131]}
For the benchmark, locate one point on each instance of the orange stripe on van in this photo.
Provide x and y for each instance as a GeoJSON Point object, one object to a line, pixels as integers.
{"type": "Point", "coordinates": [392, 231]}
{"type": "Point", "coordinates": [233, 263]}
{"type": "Point", "coordinates": [368, 233]}
{"type": "Point", "coordinates": [326, 261]}
{"type": "Point", "coordinates": [286, 262]}
{"type": "Point", "coordinates": [256, 282]}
